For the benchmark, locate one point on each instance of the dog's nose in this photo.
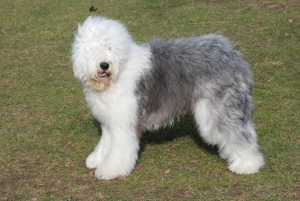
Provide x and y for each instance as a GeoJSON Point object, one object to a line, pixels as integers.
{"type": "Point", "coordinates": [104, 65]}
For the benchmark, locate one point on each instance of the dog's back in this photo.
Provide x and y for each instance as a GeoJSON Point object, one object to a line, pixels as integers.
{"type": "Point", "coordinates": [187, 69]}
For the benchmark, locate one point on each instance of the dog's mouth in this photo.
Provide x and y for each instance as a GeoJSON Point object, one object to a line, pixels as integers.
{"type": "Point", "coordinates": [102, 74]}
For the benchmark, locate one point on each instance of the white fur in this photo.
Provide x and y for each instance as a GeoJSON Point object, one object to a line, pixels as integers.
{"type": "Point", "coordinates": [97, 40]}
{"type": "Point", "coordinates": [117, 150]}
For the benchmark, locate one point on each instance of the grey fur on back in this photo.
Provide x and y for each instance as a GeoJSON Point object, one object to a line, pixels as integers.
{"type": "Point", "coordinates": [185, 70]}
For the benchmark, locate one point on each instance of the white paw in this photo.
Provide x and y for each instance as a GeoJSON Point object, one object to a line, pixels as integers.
{"type": "Point", "coordinates": [246, 166]}
{"type": "Point", "coordinates": [107, 173]}
{"type": "Point", "coordinates": [93, 160]}
{"type": "Point", "coordinates": [111, 169]}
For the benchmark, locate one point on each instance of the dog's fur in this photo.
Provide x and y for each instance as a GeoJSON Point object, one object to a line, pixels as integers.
{"type": "Point", "coordinates": [130, 88]}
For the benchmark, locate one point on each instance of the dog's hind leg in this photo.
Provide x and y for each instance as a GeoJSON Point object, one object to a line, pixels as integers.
{"type": "Point", "coordinates": [228, 124]}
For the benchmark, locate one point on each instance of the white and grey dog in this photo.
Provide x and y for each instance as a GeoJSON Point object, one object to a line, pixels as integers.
{"type": "Point", "coordinates": [130, 88]}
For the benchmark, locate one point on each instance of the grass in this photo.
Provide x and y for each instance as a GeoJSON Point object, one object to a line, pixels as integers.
{"type": "Point", "coordinates": [46, 130]}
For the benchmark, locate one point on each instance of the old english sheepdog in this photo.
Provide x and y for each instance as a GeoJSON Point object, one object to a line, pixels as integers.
{"type": "Point", "coordinates": [130, 88]}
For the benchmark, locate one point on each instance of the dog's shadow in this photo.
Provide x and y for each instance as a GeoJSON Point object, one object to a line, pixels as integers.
{"type": "Point", "coordinates": [185, 127]}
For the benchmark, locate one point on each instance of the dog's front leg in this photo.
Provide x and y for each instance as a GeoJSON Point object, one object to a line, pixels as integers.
{"type": "Point", "coordinates": [122, 155]}
{"type": "Point", "coordinates": [102, 148]}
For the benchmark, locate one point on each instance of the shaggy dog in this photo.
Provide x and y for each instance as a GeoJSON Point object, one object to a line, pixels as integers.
{"type": "Point", "coordinates": [130, 88]}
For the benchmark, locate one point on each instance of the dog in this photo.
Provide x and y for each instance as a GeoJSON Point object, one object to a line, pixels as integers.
{"type": "Point", "coordinates": [132, 87]}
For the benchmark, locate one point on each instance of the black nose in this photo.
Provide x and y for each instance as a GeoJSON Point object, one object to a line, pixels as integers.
{"type": "Point", "coordinates": [104, 65]}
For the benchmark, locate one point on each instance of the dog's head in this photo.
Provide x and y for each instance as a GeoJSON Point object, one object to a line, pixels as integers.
{"type": "Point", "coordinates": [100, 52]}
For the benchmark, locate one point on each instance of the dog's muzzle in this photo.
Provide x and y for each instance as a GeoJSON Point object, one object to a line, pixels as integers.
{"type": "Point", "coordinates": [104, 66]}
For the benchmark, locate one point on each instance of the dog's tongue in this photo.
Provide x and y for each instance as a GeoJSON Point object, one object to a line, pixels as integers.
{"type": "Point", "coordinates": [103, 74]}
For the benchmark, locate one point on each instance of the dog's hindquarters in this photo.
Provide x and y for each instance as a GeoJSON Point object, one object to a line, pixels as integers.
{"type": "Point", "coordinates": [225, 125]}
{"type": "Point", "coordinates": [205, 75]}
{"type": "Point", "coordinates": [224, 113]}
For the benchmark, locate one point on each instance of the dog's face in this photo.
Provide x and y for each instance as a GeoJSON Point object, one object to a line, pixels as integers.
{"type": "Point", "coordinates": [94, 65]}
{"type": "Point", "coordinates": [100, 52]}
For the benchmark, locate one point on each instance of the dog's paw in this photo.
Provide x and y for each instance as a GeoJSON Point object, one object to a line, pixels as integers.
{"type": "Point", "coordinates": [246, 166]}
{"type": "Point", "coordinates": [113, 169]}
{"type": "Point", "coordinates": [93, 160]}
{"type": "Point", "coordinates": [106, 173]}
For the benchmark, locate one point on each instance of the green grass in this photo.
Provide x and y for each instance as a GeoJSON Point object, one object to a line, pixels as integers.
{"type": "Point", "coordinates": [46, 130]}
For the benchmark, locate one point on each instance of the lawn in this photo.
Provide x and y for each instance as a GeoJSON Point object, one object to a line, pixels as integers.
{"type": "Point", "coordinates": [46, 130]}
